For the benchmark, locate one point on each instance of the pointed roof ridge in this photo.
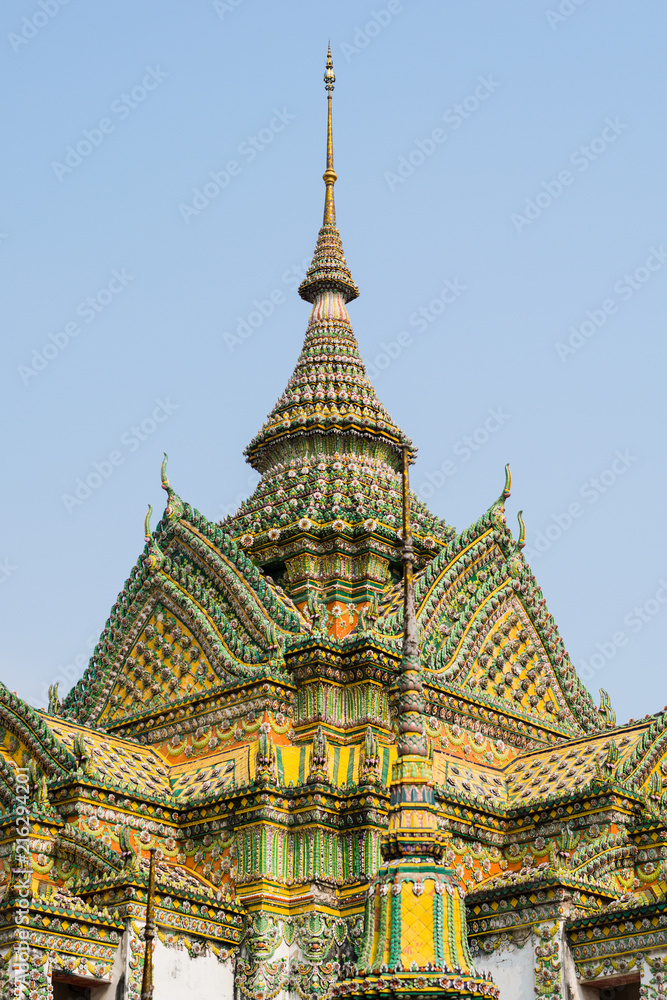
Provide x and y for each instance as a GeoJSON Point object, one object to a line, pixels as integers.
{"type": "Point", "coordinates": [150, 580]}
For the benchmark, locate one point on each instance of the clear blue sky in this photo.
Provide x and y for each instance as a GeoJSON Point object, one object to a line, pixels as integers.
{"type": "Point", "coordinates": [501, 198]}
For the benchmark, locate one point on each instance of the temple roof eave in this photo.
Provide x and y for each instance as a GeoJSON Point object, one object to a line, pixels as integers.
{"type": "Point", "coordinates": [261, 452]}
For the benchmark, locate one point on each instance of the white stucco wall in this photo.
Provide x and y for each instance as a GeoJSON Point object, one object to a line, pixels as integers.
{"type": "Point", "coordinates": [577, 990]}
{"type": "Point", "coordinates": [512, 969]}
{"type": "Point", "coordinates": [120, 972]}
{"type": "Point", "coordinates": [179, 977]}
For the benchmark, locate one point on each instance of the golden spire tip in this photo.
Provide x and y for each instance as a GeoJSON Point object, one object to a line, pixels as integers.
{"type": "Point", "coordinates": [329, 176]}
{"type": "Point", "coordinates": [329, 75]}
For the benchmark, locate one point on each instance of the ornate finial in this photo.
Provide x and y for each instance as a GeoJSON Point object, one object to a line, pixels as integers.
{"type": "Point", "coordinates": [497, 508]}
{"type": "Point", "coordinates": [605, 709]}
{"type": "Point", "coordinates": [82, 754]}
{"type": "Point", "coordinates": [611, 760]}
{"type": "Point", "coordinates": [174, 508]}
{"type": "Point", "coordinates": [153, 558]}
{"type": "Point", "coordinates": [147, 524]}
{"type": "Point", "coordinates": [54, 701]}
{"type": "Point", "coordinates": [329, 270]}
{"type": "Point", "coordinates": [149, 934]}
{"type": "Point", "coordinates": [163, 474]}
{"type": "Point", "coordinates": [329, 75]}
{"type": "Point", "coordinates": [329, 175]}
{"type": "Point", "coordinates": [508, 483]}
{"type": "Point", "coordinates": [522, 531]}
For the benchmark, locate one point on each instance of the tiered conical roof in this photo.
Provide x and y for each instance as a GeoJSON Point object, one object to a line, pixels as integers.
{"type": "Point", "coordinates": [328, 269]}
{"type": "Point", "coordinates": [329, 403]}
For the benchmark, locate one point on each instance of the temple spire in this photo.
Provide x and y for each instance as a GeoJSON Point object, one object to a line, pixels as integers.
{"type": "Point", "coordinates": [410, 644]}
{"type": "Point", "coordinates": [329, 177]}
{"type": "Point", "coordinates": [415, 917]}
{"type": "Point", "coordinates": [329, 270]}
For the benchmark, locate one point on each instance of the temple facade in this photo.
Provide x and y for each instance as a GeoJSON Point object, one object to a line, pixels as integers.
{"type": "Point", "coordinates": [330, 747]}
